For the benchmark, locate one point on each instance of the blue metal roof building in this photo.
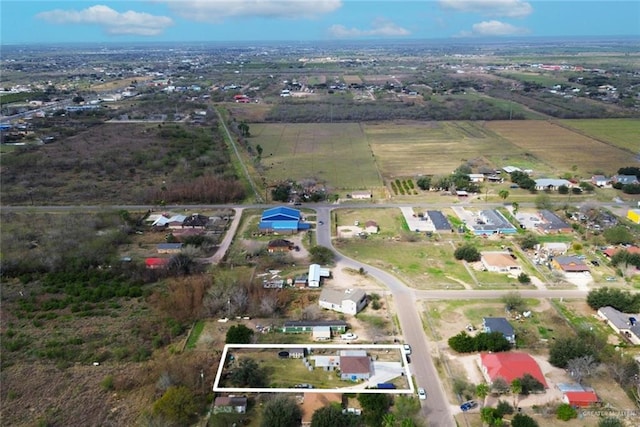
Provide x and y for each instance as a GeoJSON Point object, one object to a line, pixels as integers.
{"type": "Point", "coordinates": [282, 219]}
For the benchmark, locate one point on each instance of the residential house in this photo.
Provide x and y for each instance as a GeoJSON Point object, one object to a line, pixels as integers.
{"type": "Point", "coordinates": [361, 195]}
{"type": "Point", "coordinates": [552, 223]}
{"type": "Point", "coordinates": [230, 404]}
{"type": "Point", "coordinates": [609, 252]}
{"type": "Point", "coordinates": [321, 333]}
{"type": "Point", "coordinates": [166, 221]}
{"type": "Point", "coordinates": [511, 169]}
{"type": "Point", "coordinates": [633, 215]}
{"type": "Point", "coordinates": [499, 324]}
{"type": "Point", "coordinates": [169, 248]}
{"type": "Point", "coordinates": [476, 177]}
{"type": "Point", "coordinates": [551, 183]}
{"type": "Point", "coordinates": [569, 264]}
{"type": "Point", "coordinates": [600, 180]}
{"type": "Point", "coordinates": [371, 227]}
{"type": "Point", "coordinates": [279, 245]}
{"type": "Point", "coordinates": [304, 326]}
{"type": "Point", "coordinates": [316, 273]}
{"type": "Point", "coordinates": [354, 368]}
{"type": "Point", "coordinates": [580, 399]}
{"type": "Point", "coordinates": [349, 301]}
{"type": "Point", "coordinates": [624, 179]}
{"type": "Point", "coordinates": [196, 221]}
{"type": "Point", "coordinates": [156, 263]}
{"type": "Point", "coordinates": [500, 262]}
{"type": "Point", "coordinates": [282, 219]}
{"type": "Point", "coordinates": [509, 366]}
{"type": "Point", "coordinates": [623, 323]}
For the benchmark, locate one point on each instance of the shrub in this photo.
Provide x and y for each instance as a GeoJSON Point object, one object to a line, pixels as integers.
{"type": "Point", "coordinates": [107, 383]}
{"type": "Point", "coordinates": [565, 412]}
{"type": "Point", "coordinates": [468, 253]}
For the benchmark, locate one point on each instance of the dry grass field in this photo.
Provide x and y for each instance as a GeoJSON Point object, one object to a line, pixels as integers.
{"type": "Point", "coordinates": [428, 148]}
{"type": "Point", "coordinates": [559, 148]}
{"type": "Point", "coordinates": [622, 133]}
{"type": "Point", "coordinates": [335, 153]}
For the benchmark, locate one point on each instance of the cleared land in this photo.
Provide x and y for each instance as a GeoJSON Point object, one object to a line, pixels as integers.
{"type": "Point", "coordinates": [623, 133]}
{"type": "Point", "coordinates": [335, 153]}
{"type": "Point", "coordinates": [560, 148]}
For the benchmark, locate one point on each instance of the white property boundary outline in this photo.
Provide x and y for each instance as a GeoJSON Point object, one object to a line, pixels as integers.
{"type": "Point", "coordinates": [227, 347]}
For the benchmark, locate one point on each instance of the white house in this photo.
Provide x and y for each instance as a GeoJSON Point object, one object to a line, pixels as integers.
{"type": "Point", "coordinates": [361, 195]}
{"type": "Point", "coordinates": [551, 183]}
{"type": "Point", "coordinates": [500, 262]}
{"type": "Point", "coordinates": [316, 273]}
{"type": "Point", "coordinates": [347, 301]}
{"type": "Point", "coordinates": [476, 177]}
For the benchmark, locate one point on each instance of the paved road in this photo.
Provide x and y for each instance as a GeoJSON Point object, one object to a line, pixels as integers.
{"type": "Point", "coordinates": [436, 408]}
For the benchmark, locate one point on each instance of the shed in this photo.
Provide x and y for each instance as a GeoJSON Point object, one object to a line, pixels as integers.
{"type": "Point", "coordinates": [581, 399]}
{"type": "Point", "coordinates": [321, 333]}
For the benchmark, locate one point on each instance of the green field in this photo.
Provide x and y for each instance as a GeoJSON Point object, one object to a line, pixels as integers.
{"type": "Point", "coordinates": [335, 153]}
{"type": "Point", "coordinates": [623, 133]}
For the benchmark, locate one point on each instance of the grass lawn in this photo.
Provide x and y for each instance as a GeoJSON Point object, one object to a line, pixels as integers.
{"type": "Point", "coordinates": [195, 334]}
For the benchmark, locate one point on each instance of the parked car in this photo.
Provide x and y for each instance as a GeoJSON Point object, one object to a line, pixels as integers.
{"type": "Point", "coordinates": [470, 404]}
{"type": "Point", "coordinates": [349, 336]}
{"type": "Point", "coordinates": [407, 349]}
{"type": "Point", "coordinates": [422, 394]}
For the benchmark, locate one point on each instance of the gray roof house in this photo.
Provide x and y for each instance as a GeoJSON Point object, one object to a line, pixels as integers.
{"type": "Point", "coordinates": [551, 183]}
{"type": "Point", "coordinates": [623, 323]}
{"type": "Point", "coordinates": [499, 324]}
{"type": "Point", "coordinates": [347, 301]}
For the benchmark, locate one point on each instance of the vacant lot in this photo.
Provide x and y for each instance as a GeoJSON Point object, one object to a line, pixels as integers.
{"type": "Point", "coordinates": [622, 133]}
{"type": "Point", "coordinates": [337, 153]}
{"type": "Point", "coordinates": [559, 148]}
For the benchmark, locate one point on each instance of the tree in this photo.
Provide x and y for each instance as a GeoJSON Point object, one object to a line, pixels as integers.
{"type": "Point", "coordinates": [490, 416]}
{"type": "Point", "coordinates": [513, 301]}
{"type": "Point", "coordinates": [521, 420]}
{"type": "Point", "coordinates": [177, 405]}
{"type": "Point", "coordinates": [321, 255]}
{"type": "Point", "coordinates": [563, 189]}
{"type": "Point", "coordinates": [77, 99]}
{"type": "Point", "coordinates": [244, 129]}
{"type": "Point", "coordinates": [516, 389]}
{"type": "Point", "coordinates": [467, 252]}
{"type": "Point", "coordinates": [248, 374]}
{"type": "Point", "coordinates": [482, 391]}
{"type": "Point", "coordinates": [424, 182]}
{"type": "Point", "coordinates": [564, 349]}
{"type": "Point", "coordinates": [332, 416]}
{"type": "Point", "coordinates": [565, 412]}
{"type": "Point", "coordinates": [259, 150]}
{"type": "Point", "coordinates": [610, 422]}
{"type": "Point", "coordinates": [543, 201]}
{"type": "Point", "coordinates": [499, 386]}
{"type": "Point", "coordinates": [503, 194]}
{"type": "Point", "coordinates": [504, 408]}
{"type": "Point", "coordinates": [583, 367]}
{"type": "Point", "coordinates": [281, 411]}
{"type": "Point", "coordinates": [524, 278]}
{"type": "Point", "coordinates": [529, 384]}
{"type": "Point", "coordinates": [374, 406]}
{"type": "Point", "coordinates": [281, 192]}
{"type": "Point", "coordinates": [239, 334]}
{"type": "Point", "coordinates": [515, 206]}
{"type": "Point", "coordinates": [619, 299]}
{"type": "Point", "coordinates": [405, 407]}
{"type": "Point", "coordinates": [618, 235]}
{"type": "Point", "coordinates": [529, 241]}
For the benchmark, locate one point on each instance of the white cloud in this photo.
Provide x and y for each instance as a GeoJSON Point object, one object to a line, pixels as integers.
{"type": "Point", "coordinates": [493, 28]}
{"type": "Point", "coordinates": [509, 8]}
{"type": "Point", "coordinates": [218, 10]}
{"type": "Point", "coordinates": [379, 28]}
{"type": "Point", "coordinates": [113, 22]}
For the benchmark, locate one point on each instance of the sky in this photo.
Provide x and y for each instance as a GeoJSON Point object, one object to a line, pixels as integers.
{"type": "Point", "coordinates": [49, 21]}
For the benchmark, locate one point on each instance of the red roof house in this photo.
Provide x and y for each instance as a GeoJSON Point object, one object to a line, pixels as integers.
{"type": "Point", "coordinates": [510, 365]}
{"type": "Point", "coordinates": [155, 263]}
{"type": "Point", "coordinates": [612, 251]}
{"type": "Point", "coordinates": [582, 399]}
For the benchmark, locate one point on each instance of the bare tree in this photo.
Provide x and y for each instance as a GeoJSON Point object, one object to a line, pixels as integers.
{"type": "Point", "coordinates": [239, 300]}
{"type": "Point", "coordinates": [311, 312]}
{"type": "Point", "coordinates": [582, 367]}
{"type": "Point", "coordinates": [268, 305]}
